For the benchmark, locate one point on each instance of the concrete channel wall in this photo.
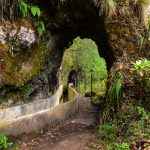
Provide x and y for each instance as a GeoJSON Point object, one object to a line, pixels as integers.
{"type": "Point", "coordinates": [33, 116]}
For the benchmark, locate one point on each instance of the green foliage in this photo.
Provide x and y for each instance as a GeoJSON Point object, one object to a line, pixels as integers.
{"type": "Point", "coordinates": [142, 113]}
{"type": "Point", "coordinates": [23, 7]}
{"type": "Point", "coordinates": [118, 146]}
{"type": "Point", "coordinates": [131, 124]}
{"type": "Point", "coordinates": [113, 97]}
{"type": "Point", "coordinates": [83, 57]}
{"type": "Point", "coordinates": [141, 72]}
{"type": "Point", "coordinates": [107, 132]}
{"type": "Point", "coordinates": [139, 127]}
{"type": "Point", "coordinates": [122, 146]}
{"type": "Point", "coordinates": [26, 90]}
{"type": "Point", "coordinates": [26, 9]}
{"type": "Point", "coordinates": [142, 65]}
{"type": "Point", "coordinates": [116, 89]}
{"type": "Point", "coordinates": [35, 10]}
{"type": "Point", "coordinates": [4, 142]}
{"type": "Point", "coordinates": [41, 27]}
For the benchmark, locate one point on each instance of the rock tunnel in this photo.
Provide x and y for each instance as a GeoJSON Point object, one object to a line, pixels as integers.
{"type": "Point", "coordinates": [66, 20]}
{"type": "Point", "coordinates": [70, 19]}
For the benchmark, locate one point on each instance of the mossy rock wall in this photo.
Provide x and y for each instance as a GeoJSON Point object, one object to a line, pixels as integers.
{"type": "Point", "coordinates": [21, 56]}
{"type": "Point", "coordinates": [83, 58]}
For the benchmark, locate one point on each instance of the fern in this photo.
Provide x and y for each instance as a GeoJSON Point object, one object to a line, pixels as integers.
{"type": "Point", "coordinates": [122, 146]}
{"type": "Point", "coordinates": [107, 132]}
{"type": "Point", "coordinates": [23, 7]}
{"type": "Point", "coordinates": [41, 27]}
{"type": "Point", "coordinates": [35, 11]}
{"type": "Point", "coordinates": [4, 142]}
{"type": "Point", "coordinates": [142, 65]}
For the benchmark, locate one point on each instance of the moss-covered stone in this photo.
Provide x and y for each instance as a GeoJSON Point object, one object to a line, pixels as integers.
{"type": "Point", "coordinates": [21, 56]}
{"type": "Point", "coordinates": [83, 58]}
{"type": "Point", "coordinates": [18, 70]}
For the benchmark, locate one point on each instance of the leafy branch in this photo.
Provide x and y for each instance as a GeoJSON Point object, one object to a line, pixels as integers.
{"type": "Point", "coordinates": [27, 9]}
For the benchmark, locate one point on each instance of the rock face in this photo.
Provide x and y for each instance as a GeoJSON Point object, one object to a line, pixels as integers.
{"type": "Point", "coordinates": [23, 34]}
{"type": "Point", "coordinates": [129, 39]}
{"type": "Point", "coordinates": [21, 57]}
{"type": "Point", "coordinates": [83, 67]}
{"type": "Point", "coordinates": [126, 29]}
{"type": "Point", "coordinates": [119, 38]}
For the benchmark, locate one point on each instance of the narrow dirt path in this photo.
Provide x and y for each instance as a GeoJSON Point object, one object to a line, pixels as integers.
{"type": "Point", "coordinates": [77, 133]}
{"type": "Point", "coordinates": [70, 136]}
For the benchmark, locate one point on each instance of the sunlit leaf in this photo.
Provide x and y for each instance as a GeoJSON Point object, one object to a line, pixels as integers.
{"type": "Point", "coordinates": [35, 11]}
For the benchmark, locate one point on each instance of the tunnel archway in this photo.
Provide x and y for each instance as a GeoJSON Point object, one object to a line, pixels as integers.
{"type": "Point", "coordinates": [74, 18]}
{"type": "Point", "coordinates": [81, 18]}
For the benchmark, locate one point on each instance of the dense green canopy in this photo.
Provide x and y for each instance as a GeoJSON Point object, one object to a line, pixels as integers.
{"type": "Point", "coordinates": [83, 57]}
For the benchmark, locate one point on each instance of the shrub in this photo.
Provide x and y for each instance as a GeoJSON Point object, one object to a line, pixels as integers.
{"type": "Point", "coordinates": [4, 142]}
{"type": "Point", "coordinates": [107, 132]}
{"type": "Point", "coordinates": [141, 70]}
{"type": "Point", "coordinates": [115, 91]}
{"type": "Point", "coordinates": [142, 65]}
{"type": "Point", "coordinates": [28, 9]}
{"type": "Point", "coordinates": [122, 146]}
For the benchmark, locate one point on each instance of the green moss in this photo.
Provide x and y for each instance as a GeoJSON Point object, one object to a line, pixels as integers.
{"type": "Point", "coordinates": [15, 94]}
{"type": "Point", "coordinates": [83, 57]}
{"type": "Point", "coordinates": [20, 69]}
{"type": "Point", "coordinates": [144, 2]}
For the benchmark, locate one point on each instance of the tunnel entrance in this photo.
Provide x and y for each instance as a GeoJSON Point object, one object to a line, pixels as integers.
{"type": "Point", "coordinates": [74, 18]}
{"type": "Point", "coordinates": [81, 18]}
{"type": "Point", "coordinates": [72, 78]}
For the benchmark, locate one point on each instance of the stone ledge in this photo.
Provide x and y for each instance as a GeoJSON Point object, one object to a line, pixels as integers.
{"type": "Point", "coordinates": [36, 115]}
{"type": "Point", "coordinates": [36, 121]}
{"type": "Point", "coordinates": [32, 116]}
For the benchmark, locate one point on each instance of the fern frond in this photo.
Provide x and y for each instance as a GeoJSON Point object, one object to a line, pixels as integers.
{"type": "Point", "coordinates": [115, 91]}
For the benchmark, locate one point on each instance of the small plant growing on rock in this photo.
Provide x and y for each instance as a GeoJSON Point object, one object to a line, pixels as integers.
{"type": "Point", "coordinates": [122, 146]}
{"type": "Point", "coordinates": [116, 90]}
{"type": "Point", "coordinates": [33, 10]}
{"type": "Point", "coordinates": [4, 142]}
{"type": "Point", "coordinates": [26, 9]}
{"type": "Point", "coordinates": [142, 65]}
{"type": "Point", "coordinates": [141, 70]}
{"type": "Point", "coordinates": [107, 132]}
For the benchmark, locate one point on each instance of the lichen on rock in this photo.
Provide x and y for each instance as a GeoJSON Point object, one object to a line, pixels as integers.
{"type": "Point", "coordinates": [83, 58]}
